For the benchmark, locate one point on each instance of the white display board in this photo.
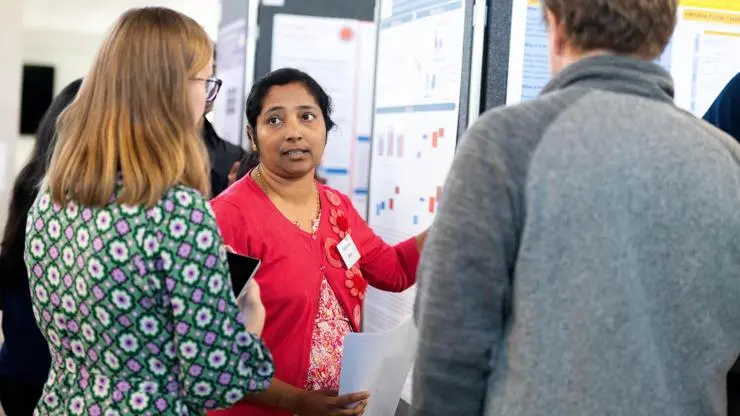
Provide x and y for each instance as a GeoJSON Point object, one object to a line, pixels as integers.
{"type": "Point", "coordinates": [340, 55]}
{"type": "Point", "coordinates": [700, 55]}
{"type": "Point", "coordinates": [231, 62]}
{"type": "Point", "coordinates": [703, 53]}
{"type": "Point", "coordinates": [417, 102]}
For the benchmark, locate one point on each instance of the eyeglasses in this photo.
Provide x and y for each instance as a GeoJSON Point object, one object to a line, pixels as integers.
{"type": "Point", "coordinates": [213, 86]}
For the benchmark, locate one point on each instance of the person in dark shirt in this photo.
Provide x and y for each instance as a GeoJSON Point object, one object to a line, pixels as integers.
{"type": "Point", "coordinates": [725, 115]}
{"type": "Point", "coordinates": [24, 356]}
{"type": "Point", "coordinates": [724, 112]}
{"type": "Point", "coordinates": [225, 157]}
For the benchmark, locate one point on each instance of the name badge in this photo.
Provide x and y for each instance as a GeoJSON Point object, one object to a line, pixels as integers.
{"type": "Point", "coordinates": [349, 252]}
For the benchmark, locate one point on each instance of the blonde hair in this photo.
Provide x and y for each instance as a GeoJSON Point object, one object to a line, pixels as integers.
{"type": "Point", "coordinates": [132, 116]}
{"type": "Point", "coordinates": [629, 27]}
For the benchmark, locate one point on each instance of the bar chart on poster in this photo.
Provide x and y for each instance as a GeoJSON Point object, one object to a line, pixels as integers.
{"type": "Point", "coordinates": [418, 83]}
{"type": "Point", "coordinates": [419, 77]}
{"type": "Point", "coordinates": [699, 56]}
{"type": "Point", "coordinates": [412, 152]}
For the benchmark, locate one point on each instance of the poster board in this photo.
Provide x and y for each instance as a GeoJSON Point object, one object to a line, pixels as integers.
{"type": "Point", "coordinates": [421, 99]}
{"type": "Point", "coordinates": [702, 56]}
{"type": "Point", "coordinates": [363, 10]}
{"type": "Point", "coordinates": [340, 54]}
{"type": "Point", "coordinates": [699, 56]}
{"type": "Point", "coordinates": [231, 63]}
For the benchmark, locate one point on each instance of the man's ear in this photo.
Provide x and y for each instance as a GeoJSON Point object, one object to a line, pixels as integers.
{"type": "Point", "coordinates": [556, 28]}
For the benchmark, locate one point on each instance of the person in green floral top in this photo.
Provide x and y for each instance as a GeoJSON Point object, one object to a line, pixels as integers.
{"type": "Point", "coordinates": [127, 268]}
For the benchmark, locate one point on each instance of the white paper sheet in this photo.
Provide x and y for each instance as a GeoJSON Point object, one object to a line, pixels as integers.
{"type": "Point", "coordinates": [379, 362]}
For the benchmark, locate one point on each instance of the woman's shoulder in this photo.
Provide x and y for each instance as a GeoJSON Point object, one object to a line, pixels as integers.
{"type": "Point", "coordinates": [182, 201]}
{"type": "Point", "coordinates": [241, 201]}
{"type": "Point", "coordinates": [183, 196]}
{"type": "Point", "coordinates": [44, 211]}
{"type": "Point", "coordinates": [239, 192]}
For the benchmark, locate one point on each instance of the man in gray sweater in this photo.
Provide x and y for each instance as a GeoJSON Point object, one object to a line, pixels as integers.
{"type": "Point", "coordinates": [585, 259]}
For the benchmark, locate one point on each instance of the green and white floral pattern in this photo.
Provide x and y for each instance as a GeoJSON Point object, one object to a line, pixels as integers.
{"type": "Point", "coordinates": [138, 310]}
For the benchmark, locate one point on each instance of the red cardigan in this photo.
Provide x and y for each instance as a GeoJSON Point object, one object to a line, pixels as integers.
{"type": "Point", "coordinates": [293, 265]}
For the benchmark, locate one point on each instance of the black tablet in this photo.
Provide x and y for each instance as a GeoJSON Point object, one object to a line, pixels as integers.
{"type": "Point", "coordinates": [242, 268]}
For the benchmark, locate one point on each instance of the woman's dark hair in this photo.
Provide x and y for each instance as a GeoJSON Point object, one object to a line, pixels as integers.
{"type": "Point", "coordinates": [26, 184]}
{"type": "Point", "coordinates": [261, 88]}
{"type": "Point", "coordinates": [285, 76]}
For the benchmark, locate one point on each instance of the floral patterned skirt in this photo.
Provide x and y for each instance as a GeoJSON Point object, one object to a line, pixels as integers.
{"type": "Point", "coordinates": [327, 342]}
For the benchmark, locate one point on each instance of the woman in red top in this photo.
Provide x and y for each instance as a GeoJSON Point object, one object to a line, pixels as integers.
{"type": "Point", "coordinates": [281, 215]}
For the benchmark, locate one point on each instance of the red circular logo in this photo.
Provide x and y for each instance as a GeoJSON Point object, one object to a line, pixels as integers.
{"type": "Point", "coordinates": [346, 34]}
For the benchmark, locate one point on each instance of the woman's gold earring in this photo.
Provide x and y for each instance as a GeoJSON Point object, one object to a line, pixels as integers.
{"type": "Point", "coordinates": [254, 147]}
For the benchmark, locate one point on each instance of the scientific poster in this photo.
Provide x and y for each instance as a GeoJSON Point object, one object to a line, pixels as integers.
{"type": "Point", "coordinates": [418, 86]}
{"type": "Point", "coordinates": [703, 51]}
{"type": "Point", "coordinates": [337, 53]}
{"type": "Point", "coordinates": [699, 56]}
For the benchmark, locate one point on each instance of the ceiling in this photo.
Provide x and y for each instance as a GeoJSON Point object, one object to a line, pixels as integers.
{"type": "Point", "coordinates": [96, 16]}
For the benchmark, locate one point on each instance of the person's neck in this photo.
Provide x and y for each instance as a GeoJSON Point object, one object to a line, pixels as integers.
{"type": "Point", "coordinates": [295, 191]}
{"type": "Point", "coordinates": [572, 56]}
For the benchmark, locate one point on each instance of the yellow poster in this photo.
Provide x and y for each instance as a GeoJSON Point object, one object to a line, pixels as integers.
{"type": "Point", "coordinates": [725, 5]}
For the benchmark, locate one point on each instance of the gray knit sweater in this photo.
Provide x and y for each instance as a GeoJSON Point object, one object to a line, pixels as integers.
{"type": "Point", "coordinates": [585, 259]}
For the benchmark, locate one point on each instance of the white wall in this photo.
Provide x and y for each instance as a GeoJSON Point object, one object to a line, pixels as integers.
{"type": "Point", "coordinates": [10, 77]}
{"type": "Point", "coordinates": [66, 35]}
{"type": "Point", "coordinates": [70, 53]}
{"type": "Point", "coordinates": [95, 16]}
